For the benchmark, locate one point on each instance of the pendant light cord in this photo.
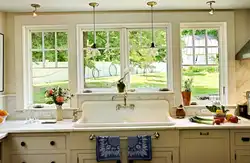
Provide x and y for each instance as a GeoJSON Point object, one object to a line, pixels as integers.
{"type": "Point", "coordinates": [152, 23]}
{"type": "Point", "coordinates": [94, 24]}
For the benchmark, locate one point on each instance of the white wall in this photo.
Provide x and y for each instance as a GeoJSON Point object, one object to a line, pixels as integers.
{"type": "Point", "coordinates": [242, 35]}
{"type": "Point", "coordinates": [16, 21]}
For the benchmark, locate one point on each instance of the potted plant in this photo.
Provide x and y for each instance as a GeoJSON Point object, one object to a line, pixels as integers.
{"type": "Point", "coordinates": [58, 96]}
{"type": "Point", "coordinates": [120, 83]}
{"type": "Point", "coordinates": [186, 94]}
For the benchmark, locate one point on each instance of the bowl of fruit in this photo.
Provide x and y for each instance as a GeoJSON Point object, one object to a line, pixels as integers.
{"type": "Point", "coordinates": [3, 115]}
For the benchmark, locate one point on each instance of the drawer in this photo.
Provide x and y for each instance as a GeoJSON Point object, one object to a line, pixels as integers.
{"type": "Point", "coordinates": [80, 140]}
{"type": "Point", "coordinates": [204, 133]}
{"type": "Point", "coordinates": [55, 158]}
{"type": "Point", "coordinates": [38, 143]}
{"type": "Point", "coordinates": [242, 138]}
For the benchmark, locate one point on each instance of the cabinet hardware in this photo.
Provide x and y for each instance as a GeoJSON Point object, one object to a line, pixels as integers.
{"type": "Point", "coordinates": [77, 159]}
{"type": "Point", "coordinates": [245, 139]}
{"type": "Point", "coordinates": [204, 133]}
{"type": "Point", "coordinates": [53, 162]}
{"type": "Point", "coordinates": [52, 143]}
{"type": "Point", "coordinates": [23, 162]}
{"type": "Point", "coordinates": [23, 144]}
{"type": "Point", "coordinates": [156, 135]}
{"type": "Point", "coordinates": [235, 156]}
{"type": "Point", "coordinates": [172, 157]}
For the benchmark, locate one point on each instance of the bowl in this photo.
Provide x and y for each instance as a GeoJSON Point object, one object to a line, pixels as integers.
{"type": "Point", "coordinates": [2, 119]}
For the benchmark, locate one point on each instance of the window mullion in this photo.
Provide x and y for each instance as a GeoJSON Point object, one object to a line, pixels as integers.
{"type": "Point", "coordinates": [193, 46]}
{"type": "Point", "coordinates": [206, 49]}
{"type": "Point", "coordinates": [56, 55]}
{"type": "Point", "coordinates": [125, 54]}
{"type": "Point", "coordinates": [43, 50]}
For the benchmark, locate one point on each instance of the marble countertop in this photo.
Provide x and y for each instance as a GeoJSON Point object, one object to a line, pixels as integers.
{"type": "Point", "coordinates": [67, 126]}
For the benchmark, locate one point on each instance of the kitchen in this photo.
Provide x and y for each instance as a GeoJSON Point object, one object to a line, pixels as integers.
{"type": "Point", "coordinates": [71, 140]}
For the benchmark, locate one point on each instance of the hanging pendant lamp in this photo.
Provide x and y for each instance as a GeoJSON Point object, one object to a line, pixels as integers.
{"type": "Point", "coordinates": [153, 51]}
{"type": "Point", "coordinates": [94, 50]}
{"type": "Point", "coordinates": [210, 3]}
{"type": "Point", "coordinates": [35, 6]}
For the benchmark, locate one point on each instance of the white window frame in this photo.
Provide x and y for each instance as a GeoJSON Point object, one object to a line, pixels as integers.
{"type": "Point", "coordinates": [223, 62]}
{"type": "Point", "coordinates": [27, 60]}
{"type": "Point", "coordinates": [124, 49]}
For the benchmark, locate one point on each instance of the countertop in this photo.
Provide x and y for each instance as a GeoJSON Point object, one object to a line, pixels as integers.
{"type": "Point", "coordinates": [67, 126]}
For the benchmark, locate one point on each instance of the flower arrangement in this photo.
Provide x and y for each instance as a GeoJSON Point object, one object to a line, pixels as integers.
{"type": "Point", "coordinates": [58, 95]}
{"type": "Point", "coordinates": [120, 83]}
{"type": "Point", "coordinates": [188, 85]}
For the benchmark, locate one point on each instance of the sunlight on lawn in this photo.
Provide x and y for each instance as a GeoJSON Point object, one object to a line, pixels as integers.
{"type": "Point", "coordinates": [205, 84]}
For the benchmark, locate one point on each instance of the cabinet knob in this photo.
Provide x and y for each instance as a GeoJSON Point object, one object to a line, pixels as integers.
{"type": "Point", "coordinates": [53, 162]}
{"type": "Point", "coordinates": [23, 162]}
{"type": "Point", "coordinates": [23, 144]}
{"type": "Point", "coordinates": [204, 133]}
{"type": "Point", "coordinates": [52, 143]}
{"type": "Point", "coordinates": [245, 139]}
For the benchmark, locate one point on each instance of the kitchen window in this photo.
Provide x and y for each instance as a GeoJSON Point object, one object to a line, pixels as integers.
{"type": "Point", "coordinates": [121, 48]}
{"type": "Point", "coordinates": [201, 55]}
{"type": "Point", "coordinates": [48, 63]}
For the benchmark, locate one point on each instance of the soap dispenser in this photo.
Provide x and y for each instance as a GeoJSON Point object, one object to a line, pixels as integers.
{"type": "Point", "coordinates": [180, 112]}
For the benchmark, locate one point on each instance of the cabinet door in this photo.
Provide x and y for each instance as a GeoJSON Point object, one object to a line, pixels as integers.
{"type": "Point", "coordinates": [89, 158]}
{"type": "Point", "coordinates": [53, 158]}
{"type": "Point", "coordinates": [159, 157]}
{"type": "Point", "coordinates": [205, 149]}
{"type": "Point", "coordinates": [242, 156]}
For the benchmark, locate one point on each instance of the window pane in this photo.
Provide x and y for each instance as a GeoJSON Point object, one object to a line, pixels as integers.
{"type": "Point", "coordinates": [62, 40]}
{"type": "Point", "coordinates": [101, 39]}
{"type": "Point", "coordinates": [160, 38]}
{"type": "Point", "coordinates": [200, 57]}
{"type": "Point", "coordinates": [145, 38]}
{"type": "Point", "coordinates": [134, 38]}
{"type": "Point", "coordinates": [199, 37]}
{"type": "Point", "coordinates": [213, 56]}
{"type": "Point", "coordinates": [212, 38]}
{"type": "Point", "coordinates": [102, 71]}
{"type": "Point", "coordinates": [62, 58]}
{"type": "Point", "coordinates": [205, 83]}
{"type": "Point", "coordinates": [50, 58]}
{"type": "Point", "coordinates": [44, 79]}
{"type": "Point", "coordinates": [36, 40]}
{"type": "Point", "coordinates": [186, 38]}
{"type": "Point", "coordinates": [187, 56]}
{"type": "Point", "coordinates": [49, 40]}
{"type": "Point", "coordinates": [114, 39]}
{"type": "Point", "coordinates": [37, 59]}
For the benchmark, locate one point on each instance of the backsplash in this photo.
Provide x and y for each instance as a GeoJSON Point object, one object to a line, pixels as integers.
{"type": "Point", "coordinates": [242, 80]}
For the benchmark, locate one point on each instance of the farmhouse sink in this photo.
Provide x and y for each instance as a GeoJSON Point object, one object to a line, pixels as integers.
{"type": "Point", "coordinates": [105, 114]}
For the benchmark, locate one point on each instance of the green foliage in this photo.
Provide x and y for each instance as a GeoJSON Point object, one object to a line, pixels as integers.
{"type": "Point", "coordinates": [199, 70]}
{"type": "Point", "coordinates": [188, 84]}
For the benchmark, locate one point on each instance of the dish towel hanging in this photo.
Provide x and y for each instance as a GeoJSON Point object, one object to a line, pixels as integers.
{"type": "Point", "coordinates": [139, 148]}
{"type": "Point", "coordinates": [108, 148]}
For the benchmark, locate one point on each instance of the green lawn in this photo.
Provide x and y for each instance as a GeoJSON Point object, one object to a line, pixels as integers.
{"type": "Point", "coordinates": [204, 83]}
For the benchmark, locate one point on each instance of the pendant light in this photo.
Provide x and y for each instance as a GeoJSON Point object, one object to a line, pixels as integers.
{"type": "Point", "coordinates": [35, 6]}
{"type": "Point", "coordinates": [210, 3]}
{"type": "Point", "coordinates": [153, 50]}
{"type": "Point", "coordinates": [93, 50]}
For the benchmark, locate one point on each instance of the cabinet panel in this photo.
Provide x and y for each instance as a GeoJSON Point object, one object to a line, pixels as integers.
{"type": "Point", "coordinates": [89, 158]}
{"type": "Point", "coordinates": [159, 157]}
{"type": "Point", "coordinates": [55, 158]}
{"type": "Point", "coordinates": [242, 156]}
{"type": "Point", "coordinates": [205, 149]}
{"type": "Point", "coordinates": [242, 139]}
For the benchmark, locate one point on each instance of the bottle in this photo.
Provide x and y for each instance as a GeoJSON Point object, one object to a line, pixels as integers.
{"type": "Point", "coordinates": [180, 112]}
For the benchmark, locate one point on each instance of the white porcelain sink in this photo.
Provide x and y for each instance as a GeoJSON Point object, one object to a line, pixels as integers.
{"type": "Point", "coordinates": [145, 113]}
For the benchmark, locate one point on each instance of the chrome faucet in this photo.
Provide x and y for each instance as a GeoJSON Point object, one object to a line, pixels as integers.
{"type": "Point", "coordinates": [124, 105]}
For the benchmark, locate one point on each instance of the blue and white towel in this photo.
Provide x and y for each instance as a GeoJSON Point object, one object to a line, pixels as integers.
{"type": "Point", "coordinates": [139, 148]}
{"type": "Point", "coordinates": [107, 148]}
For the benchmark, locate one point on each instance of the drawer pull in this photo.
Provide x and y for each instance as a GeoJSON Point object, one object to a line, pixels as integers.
{"type": "Point", "coordinates": [23, 162]}
{"type": "Point", "coordinates": [204, 133]}
{"type": "Point", "coordinates": [244, 139]}
{"type": "Point", "coordinates": [23, 144]}
{"type": "Point", "coordinates": [52, 143]}
{"type": "Point", "coordinates": [53, 162]}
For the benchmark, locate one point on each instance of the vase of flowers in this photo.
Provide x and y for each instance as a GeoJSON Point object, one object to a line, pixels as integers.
{"type": "Point", "coordinates": [120, 83]}
{"type": "Point", "coordinates": [58, 96]}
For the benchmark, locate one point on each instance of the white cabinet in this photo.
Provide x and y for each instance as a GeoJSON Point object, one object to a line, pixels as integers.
{"type": "Point", "coordinates": [206, 146]}
{"type": "Point", "coordinates": [88, 158]}
{"type": "Point", "coordinates": [242, 156]}
{"type": "Point", "coordinates": [160, 157]}
{"type": "Point", "coordinates": [39, 158]}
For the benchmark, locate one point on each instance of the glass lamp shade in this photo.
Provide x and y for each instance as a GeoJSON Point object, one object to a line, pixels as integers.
{"type": "Point", "coordinates": [93, 51]}
{"type": "Point", "coordinates": [153, 51]}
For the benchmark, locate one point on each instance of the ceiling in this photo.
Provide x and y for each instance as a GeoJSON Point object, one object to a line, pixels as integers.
{"type": "Point", "coordinates": [82, 5]}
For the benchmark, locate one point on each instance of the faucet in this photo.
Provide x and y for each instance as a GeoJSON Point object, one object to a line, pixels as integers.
{"type": "Point", "coordinates": [124, 105]}
{"type": "Point", "coordinates": [75, 114]}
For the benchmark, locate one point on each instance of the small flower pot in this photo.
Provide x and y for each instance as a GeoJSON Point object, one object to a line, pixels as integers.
{"type": "Point", "coordinates": [186, 96]}
{"type": "Point", "coordinates": [121, 87]}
